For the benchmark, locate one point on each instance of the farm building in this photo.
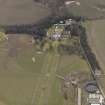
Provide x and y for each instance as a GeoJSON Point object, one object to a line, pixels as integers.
{"type": "Point", "coordinates": [95, 99]}
{"type": "Point", "coordinates": [94, 95]}
{"type": "Point", "coordinates": [55, 32]}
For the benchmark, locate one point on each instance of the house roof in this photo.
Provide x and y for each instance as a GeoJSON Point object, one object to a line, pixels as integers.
{"type": "Point", "coordinates": [95, 98]}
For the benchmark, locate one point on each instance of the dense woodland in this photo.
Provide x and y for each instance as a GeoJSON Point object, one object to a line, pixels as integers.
{"type": "Point", "coordinates": [88, 52]}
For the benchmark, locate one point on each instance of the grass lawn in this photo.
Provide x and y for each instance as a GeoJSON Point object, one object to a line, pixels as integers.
{"type": "Point", "coordinates": [26, 83]}
{"type": "Point", "coordinates": [72, 63]}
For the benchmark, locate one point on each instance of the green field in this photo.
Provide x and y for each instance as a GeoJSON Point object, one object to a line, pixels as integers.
{"type": "Point", "coordinates": [23, 82]}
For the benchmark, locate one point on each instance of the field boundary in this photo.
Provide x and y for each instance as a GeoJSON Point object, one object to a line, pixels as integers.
{"type": "Point", "coordinates": [91, 69]}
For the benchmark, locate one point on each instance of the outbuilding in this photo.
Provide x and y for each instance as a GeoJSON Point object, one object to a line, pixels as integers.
{"type": "Point", "coordinates": [95, 99]}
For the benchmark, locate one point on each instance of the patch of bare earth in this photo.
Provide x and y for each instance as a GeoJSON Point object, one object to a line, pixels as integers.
{"type": "Point", "coordinates": [21, 12]}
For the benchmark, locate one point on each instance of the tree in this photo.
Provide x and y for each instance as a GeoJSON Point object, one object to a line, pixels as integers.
{"type": "Point", "coordinates": [3, 36]}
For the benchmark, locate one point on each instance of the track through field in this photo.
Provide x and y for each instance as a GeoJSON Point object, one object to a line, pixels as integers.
{"type": "Point", "coordinates": [43, 87]}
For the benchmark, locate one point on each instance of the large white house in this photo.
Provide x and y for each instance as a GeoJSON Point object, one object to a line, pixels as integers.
{"type": "Point", "coordinates": [95, 99]}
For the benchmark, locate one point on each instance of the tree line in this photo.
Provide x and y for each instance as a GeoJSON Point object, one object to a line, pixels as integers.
{"type": "Point", "coordinates": [37, 30]}
{"type": "Point", "coordinates": [90, 55]}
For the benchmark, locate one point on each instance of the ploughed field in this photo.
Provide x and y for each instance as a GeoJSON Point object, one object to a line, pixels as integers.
{"type": "Point", "coordinates": [24, 82]}
{"type": "Point", "coordinates": [96, 38]}
{"type": "Point", "coordinates": [30, 12]}
{"type": "Point", "coordinates": [88, 8]}
{"type": "Point", "coordinates": [21, 12]}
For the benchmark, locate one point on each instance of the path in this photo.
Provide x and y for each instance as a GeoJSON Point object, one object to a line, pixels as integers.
{"type": "Point", "coordinates": [79, 96]}
{"type": "Point", "coordinates": [43, 86]}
